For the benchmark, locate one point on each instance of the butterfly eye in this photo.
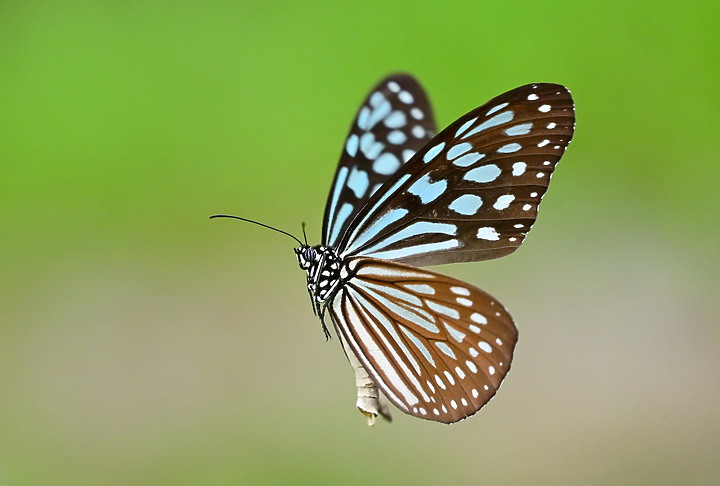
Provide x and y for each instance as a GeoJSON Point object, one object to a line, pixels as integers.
{"type": "Point", "coordinates": [310, 254]}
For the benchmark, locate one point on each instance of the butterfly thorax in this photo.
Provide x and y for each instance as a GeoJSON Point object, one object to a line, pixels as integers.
{"type": "Point", "coordinates": [323, 271]}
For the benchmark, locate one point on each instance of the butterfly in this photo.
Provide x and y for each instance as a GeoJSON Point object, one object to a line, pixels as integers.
{"type": "Point", "coordinates": [404, 197]}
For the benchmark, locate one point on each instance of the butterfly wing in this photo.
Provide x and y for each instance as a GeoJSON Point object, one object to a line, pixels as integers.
{"type": "Point", "coordinates": [438, 348]}
{"type": "Point", "coordinates": [394, 121]}
{"type": "Point", "coordinates": [472, 193]}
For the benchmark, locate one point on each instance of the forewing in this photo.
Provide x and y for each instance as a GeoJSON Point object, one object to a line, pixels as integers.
{"type": "Point", "coordinates": [394, 121]}
{"type": "Point", "coordinates": [472, 193]}
{"type": "Point", "coordinates": [438, 348]}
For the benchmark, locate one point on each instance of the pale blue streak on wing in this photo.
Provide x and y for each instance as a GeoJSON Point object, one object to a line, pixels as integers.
{"type": "Point", "coordinates": [339, 184]}
{"type": "Point", "coordinates": [343, 214]}
{"type": "Point", "coordinates": [498, 107]}
{"type": "Point", "coordinates": [403, 312]}
{"type": "Point", "coordinates": [385, 322]}
{"type": "Point", "coordinates": [393, 292]}
{"type": "Point", "coordinates": [503, 117]}
{"type": "Point", "coordinates": [415, 250]}
{"type": "Point", "coordinates": [419, 344]}
{"type": "Point", "coordinates": [415, 229]}
{"type": "Point", "coordinates": [445, 349]}
{"type": "Point", "coordinates": [468, 159]}
{"type": "Point", "coordinates": [379, 225]}
{"type": "Point", "coordinates": [509, 148]}
{"type": "Point", "coordinates": [356, 240]}
{"type": "Point", "coordinates": [456, 335]}
{"type": "Point", "coordinates": [523, 129]}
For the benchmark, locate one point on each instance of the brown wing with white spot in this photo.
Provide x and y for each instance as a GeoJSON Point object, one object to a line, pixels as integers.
{"type": "Point", "coordinates": [437, 347]}
{"type": "Point", "coordinates": [393, 123]}
{"type": "Point", "coordinates": [472, 193]}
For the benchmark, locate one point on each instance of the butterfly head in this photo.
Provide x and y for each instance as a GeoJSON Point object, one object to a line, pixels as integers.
{"type": "Point", "coordinates": [323, 270]}
{"type": "Point", "coordinates": [307, 256]}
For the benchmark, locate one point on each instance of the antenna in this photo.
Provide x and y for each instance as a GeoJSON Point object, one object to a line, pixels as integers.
{"type": "Point", "coordinates": [304, 234]}
{"type": "Point", "coordinates": [257, 223]}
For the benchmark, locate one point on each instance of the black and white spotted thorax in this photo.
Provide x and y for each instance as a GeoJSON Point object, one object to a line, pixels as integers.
{"type": "Point", "coordinates": [325, 271]}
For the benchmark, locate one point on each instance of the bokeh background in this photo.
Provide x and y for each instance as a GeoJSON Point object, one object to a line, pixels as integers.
{"type": "Point", "coordinates": [141, 343]}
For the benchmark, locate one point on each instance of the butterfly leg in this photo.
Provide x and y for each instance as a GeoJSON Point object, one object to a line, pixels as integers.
{"type": "Point", "coordinates": [320, 311]}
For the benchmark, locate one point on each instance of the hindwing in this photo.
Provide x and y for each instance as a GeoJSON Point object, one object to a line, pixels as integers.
{"type": "Point", "coordinates": [437, 347]}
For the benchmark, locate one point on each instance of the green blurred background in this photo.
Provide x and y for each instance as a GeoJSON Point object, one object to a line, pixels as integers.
{"type": "Point", "coordinates": [141, 343]}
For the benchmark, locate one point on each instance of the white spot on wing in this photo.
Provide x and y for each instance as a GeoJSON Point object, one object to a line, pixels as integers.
{"type": "Point", "coordinates": [457, 150]}
{"type": "Point", "coordinates": [504, 117]}
{"type": "Point", "coordinates": [386, 164]}
{"type": "Point", "coordinates": [496, 108]}
{"type": "Point", "coordinates": [395, 120]}
{"type": "Point", "coordinates": [503, 202]}
{"type": "Point", "coordinates": [352, 145]}
{"type": "Point", "coordinates": [430, 154]}
{"type": "Point", "coordinates": [452, 382]}
{"type": "Point", "coordinates": [471, 366]}
{"type": "Point", "coordinates": [509, 148]}
{"type": "Point", "coordinates": [488, 233]}
{"type": "Point", "coordinates": [468, 159]}
{"type": "Point", "coordinates": [460, 291]}
{"type": "Point", "coordinates": [523, 129]}
{"type": "Point", "coordinates": [428, 190]}
{"type": "Point", "coordinates": [396, 137]}
{"type": "Point", "coordinates": [484, 173]}
{"type": "Point", "coordinates": [369, 146]}
{"type": "Point", "coordinates": [363, 117]}
{"type": "Point", "coordinates": [518, 168]}
{"type": "Point", "coordinates": [464, 127]}
{"type": "Point", "coordinates": [376, 99]}
{"type": "Point", "coordinates": [485, 346]}
{"type": "Point", "coordinates": [405, 97]}
{"type": "Point", "coordinates": [467, 204]}
{"type": "Point", "coordinates": [358, 182]}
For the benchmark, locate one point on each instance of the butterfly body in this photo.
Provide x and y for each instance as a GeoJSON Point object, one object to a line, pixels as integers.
{"type": "Point", "coordinates": [404, 197]}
